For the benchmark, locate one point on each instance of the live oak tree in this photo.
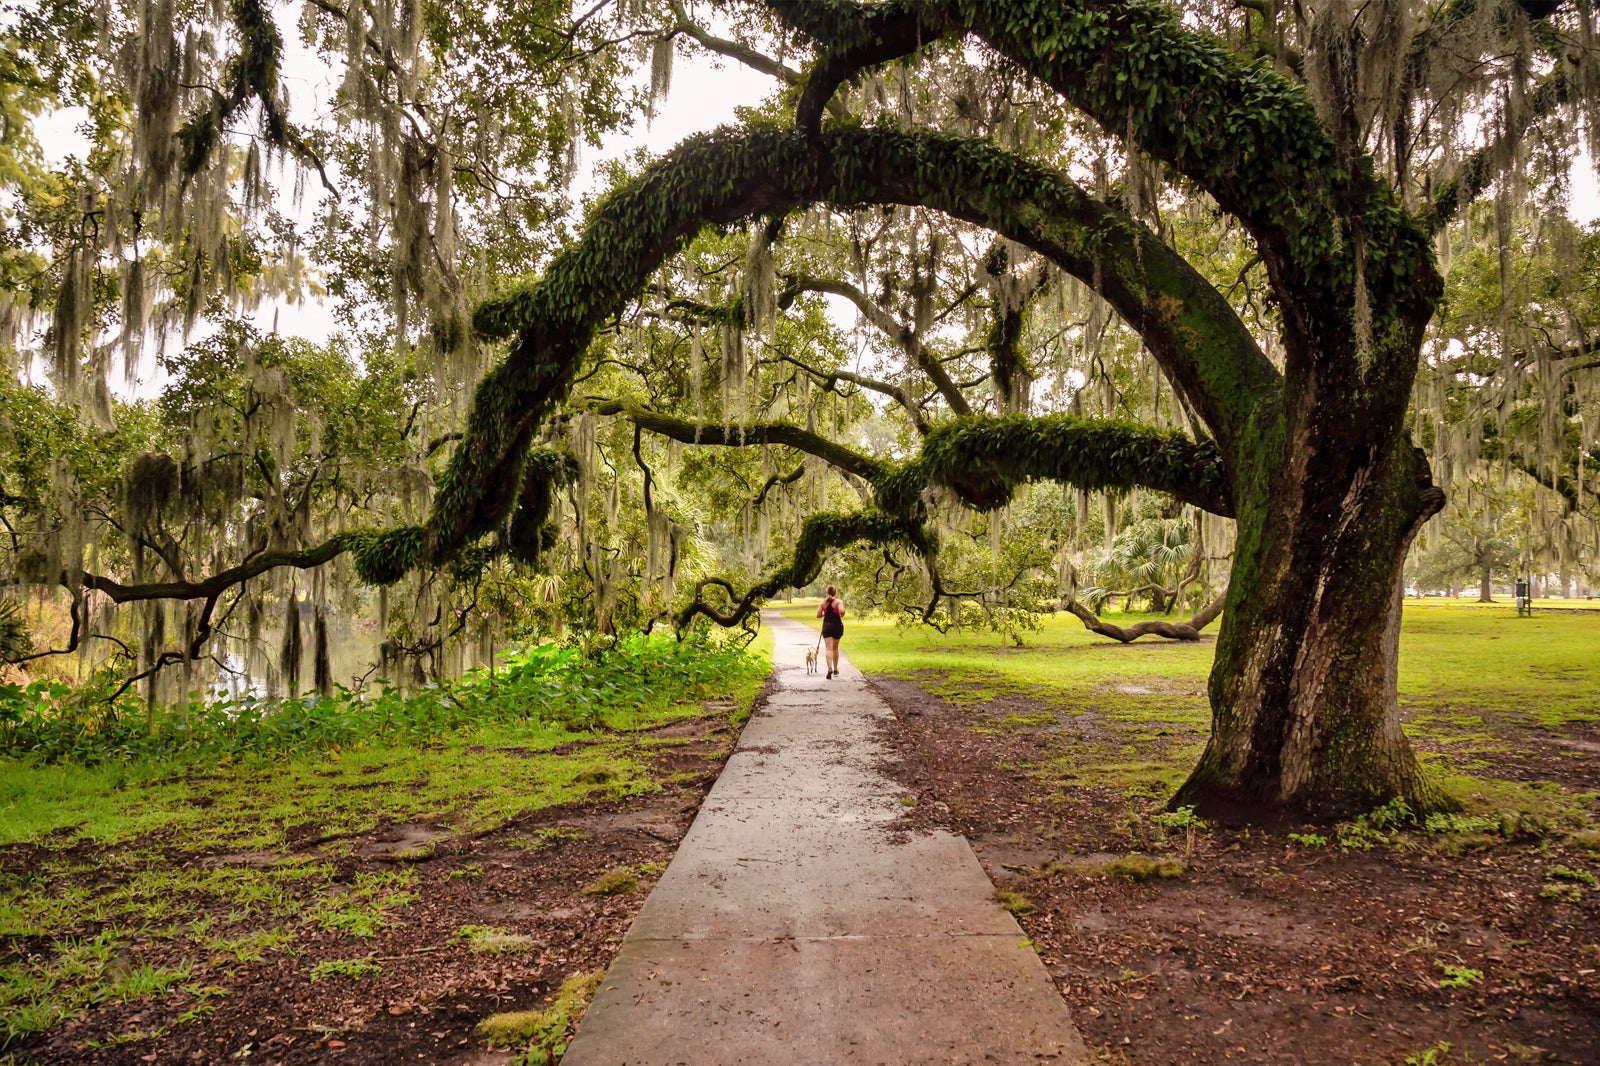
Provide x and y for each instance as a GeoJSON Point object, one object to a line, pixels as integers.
{"type": "Point", "coordinates": [1507, 395]}
{"type": "Point", "coordinates": [1334, 142]}
{"type": "Point", "coordinates": [1477, 539]}
{"type": "Point", "coordinates": [1313, 460]}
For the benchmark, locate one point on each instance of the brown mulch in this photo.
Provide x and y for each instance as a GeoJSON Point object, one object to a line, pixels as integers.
{"type": "Point", "coordinates": [425, 1004]}
{"type": "Point", "coordinates": [1262, 951]}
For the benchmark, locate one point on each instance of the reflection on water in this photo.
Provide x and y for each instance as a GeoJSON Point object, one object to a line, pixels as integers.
{"type": "Point", "coordinates": [246, 667]}
{"type": "Point", "coordinates": [255, 668]}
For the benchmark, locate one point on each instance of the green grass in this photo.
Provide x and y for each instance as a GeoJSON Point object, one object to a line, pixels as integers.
{"type": "Point", "coordinates": [544, 1033]}
{"type": "Point", "coordinates": [355, 969]}
{"type": "Point", "coordinates": [1473, 680]}
{"type": "Point", "coordinates": [1467, 662]}
{"type": "Point", "coordinates": [187, 858]}
{"type": "Point", "coordinates": [1456, 660]}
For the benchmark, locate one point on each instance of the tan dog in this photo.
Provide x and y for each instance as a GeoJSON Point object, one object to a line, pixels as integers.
{"type": "Point", "coordinates": [811, 660]}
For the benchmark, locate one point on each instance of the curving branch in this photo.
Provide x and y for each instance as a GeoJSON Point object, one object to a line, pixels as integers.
{"type": "Point", "coordinates": [887, 324]}
{"type": "Point", "coordinates": [820, 534]}
{"type": "Point", "coordinates": [829, 379]}
{"type": "Point", "coordinates": [854, 37]}
{"type": "Point", "coordinates": [1571, 490]}
{"type": "Point", "coordinates": [1480, 169]}
{"type": "Point", "coordinates": [984, 460]}
{"type": "Point", "coordinates": [1189, 630]}
{"type": "Point", "coordinates": [729, 176]}
{"type": "Point", "coordinates": [688, 431]}
{"type": "Point", "coordinates": [744, 54]}
{"type": "Point", "coordinates": [775, 480]}
{"type": "Point", "coordinates": [213, 587]}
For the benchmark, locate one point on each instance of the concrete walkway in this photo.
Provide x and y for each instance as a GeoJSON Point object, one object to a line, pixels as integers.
{"type": "Point", "coordinates": [796, 926]}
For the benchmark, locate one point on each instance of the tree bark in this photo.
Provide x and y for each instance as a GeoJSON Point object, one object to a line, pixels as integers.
{"type": "Point", "coordinates": [1303, 689]}
{"type": "Point", "coordinates": [1485, 588]}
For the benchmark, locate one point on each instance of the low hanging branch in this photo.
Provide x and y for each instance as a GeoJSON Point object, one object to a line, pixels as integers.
{"type": "Point", "coordinates": [687, 431]}
{"type": "Point", "coordinates": [1159, 627]}
{"type": "Point", "coordinates": [729, 176]}
{"type": "Point", "coordinates": [725, 177]}
{"type": "Point", "coordinates": [818, 535]}
{"type": "Point", "coordinates": [774, 481]}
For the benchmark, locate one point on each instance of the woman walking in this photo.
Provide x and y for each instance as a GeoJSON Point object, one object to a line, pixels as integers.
{"type": "Point", "coordinates": [831, 611]}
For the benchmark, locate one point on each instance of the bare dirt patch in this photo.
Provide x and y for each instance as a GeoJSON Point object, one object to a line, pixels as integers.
{"type": "Point", "coordinates": [1263, 950]}
{"type": "Point", "coordinates": [430, 990]}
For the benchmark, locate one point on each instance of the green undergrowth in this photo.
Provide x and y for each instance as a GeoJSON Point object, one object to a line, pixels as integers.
{"type": "Point", "coordinates": [163, 875]}
{"type": "Point", "coordinates": [561, 688]}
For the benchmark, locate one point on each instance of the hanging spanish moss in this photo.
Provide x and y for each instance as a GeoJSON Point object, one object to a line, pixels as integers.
{"type": "Point", "coordinates": [293, 648]}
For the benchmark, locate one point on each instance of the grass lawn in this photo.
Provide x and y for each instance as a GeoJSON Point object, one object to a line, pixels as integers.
{"type": "Point", "coordinates": [1474, 680]}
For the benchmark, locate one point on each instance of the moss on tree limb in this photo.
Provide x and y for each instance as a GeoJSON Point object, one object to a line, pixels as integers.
{"type": "Point", "coordinates": [728, 176]}
{"type": "Point", "coordinates": [984, 460]}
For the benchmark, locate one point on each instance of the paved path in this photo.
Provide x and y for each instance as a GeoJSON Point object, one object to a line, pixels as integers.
{"type": "Point", "coordinates": [794, 926]}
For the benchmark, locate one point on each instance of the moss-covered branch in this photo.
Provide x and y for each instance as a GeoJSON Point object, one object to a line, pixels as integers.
{"type": "Point", "coordinates": [897, 331]}
{"type": "Point", "coordinates": [1483, 166]}
{"type": "Point", "coordinates": [220, 582]}
{"type": "Point", "coordinates": [829, 380]}
{"type": "Point", "coordinates": [984, 460]}
{"type": "Point", "coordinates": [852, 38]}
{"type": "Point", "coordinates": [728, 176]}
{"type": "Point", "coordinates": [743, 54]}
{"type": "Point", "coordinates": [1244, 132]}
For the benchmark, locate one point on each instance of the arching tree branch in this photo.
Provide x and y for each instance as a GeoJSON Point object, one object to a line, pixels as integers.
{"type": "Point", "coordinates": [214, 586]}
{"type": "Point", "coordinates": [820, 534]}
{"type": "Point", "coordinates": [1479, 170]}
{"type": "Point", "coordinates": [1189, 630]}
{"type": "Point", "coordinates": [900, 393]}
{"type": "Point", "coordinates": [775, 480]}
{"type": "Point", "coordinates": [744, 54]}
{"type": "Point", "coordinates": [889, 326]}
{"type": "Point", "coordinates": [727, 176]}
{"type": "Point", "coordinates": [853, 37]}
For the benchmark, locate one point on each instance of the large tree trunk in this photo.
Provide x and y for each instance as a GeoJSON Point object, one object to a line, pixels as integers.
{"type": "Point", "coordinates": [1485, 590]}
{"type": "Point", "coordinates": [1305, 715]}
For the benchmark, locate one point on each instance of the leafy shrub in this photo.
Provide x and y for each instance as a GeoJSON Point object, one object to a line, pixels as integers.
{"type": "Point", "coordinates": [53, 722]}
{"type": "Point", "coordinates": [1182, 818]}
